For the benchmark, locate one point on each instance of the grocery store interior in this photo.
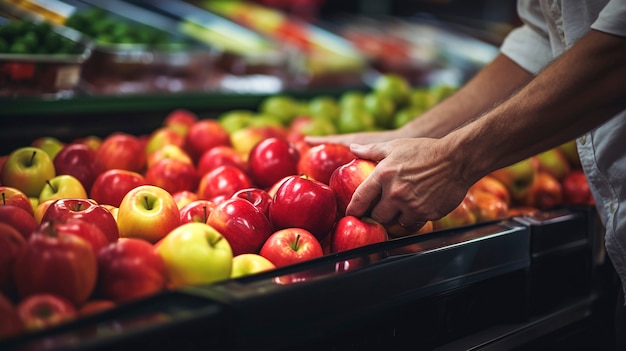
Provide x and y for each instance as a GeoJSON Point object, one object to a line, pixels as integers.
{"type": "Point", "coordinates": [79, 68]}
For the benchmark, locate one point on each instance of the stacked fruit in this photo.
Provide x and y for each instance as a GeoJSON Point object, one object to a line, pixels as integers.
{"type": "Point", "coordinates": [35, 38]}
{"type": "Point", "coordinates": [94, 222]}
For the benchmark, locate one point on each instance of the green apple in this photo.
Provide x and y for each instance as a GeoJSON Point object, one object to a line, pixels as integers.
{"type": "Point", "coordinates": [265, 120]}
{"type": "Point", "coordinates": [381, 107]}
{"type": "Point", "coordinates": [62, 186]}
{"type": "Point", "coordinates": [554, 162]}
{"type": "Point", "coordinates": [420, 98]}
{"type": "Point", "coordinates": [355, 120]}
{"type": "Point", "coordinates": [235, 119]}
{"type": "Point", "coordinates": [248, 264]}
{"type": "Point", "coordinates": [439, 93]}
{"type": "Point", "coordinates": [27, 169]}
{"type": "Point", "coordinates": [570, 150]}
{"type": "Point", "coordinates": [147, 212]}
{"type": "Point", "coordinates": [518, 178]}
{"type": "Point", "coordinates": [351, 99]}
{"type": "Point", "coordinates": [195, 254]}
{"type": "Point", "coordinates": [284, 107]}
{"type": "Point", "coordinates": [50, 145]}
{"type": "Point", "coordinates": [325, 106]}
{"type": "Point", "coordinates": [405, 115]}
{"type": "Point", "coordinates": [394, 87]}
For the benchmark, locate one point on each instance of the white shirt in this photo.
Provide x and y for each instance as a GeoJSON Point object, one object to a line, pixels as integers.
{"type": "Point", "coordinates": [551, 27]}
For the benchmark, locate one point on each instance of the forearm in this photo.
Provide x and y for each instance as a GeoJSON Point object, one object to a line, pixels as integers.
{"type": "Point", "coordinates": [577, 92]}
{"type": "Point", "coordinates": [494, 83]}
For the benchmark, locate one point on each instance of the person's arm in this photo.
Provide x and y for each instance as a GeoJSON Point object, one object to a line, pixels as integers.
{"type": "Point", "coordinates": [421, 179]}
{"type": "Point", "coordinates": [495, 82]}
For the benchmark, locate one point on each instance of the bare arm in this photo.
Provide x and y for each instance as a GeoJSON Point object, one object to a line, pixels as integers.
{"type": "Point", "coordinates": [419, 179]}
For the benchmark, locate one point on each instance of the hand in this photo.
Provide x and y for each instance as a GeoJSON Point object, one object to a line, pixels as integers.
{"type": "Point", "coordinates": [415, 180]}
{"type": "Point", "coordinates": [354, 138]}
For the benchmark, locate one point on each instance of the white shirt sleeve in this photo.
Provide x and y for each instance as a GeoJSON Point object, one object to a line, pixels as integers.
{"type": "Point", "coordinates": [612, 18]}
{"type": "Point", "coordinates": [528, 45]}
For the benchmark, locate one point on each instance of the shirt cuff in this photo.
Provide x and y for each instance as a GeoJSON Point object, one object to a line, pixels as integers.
{"type": "Point", "coordinates": [527, 48]}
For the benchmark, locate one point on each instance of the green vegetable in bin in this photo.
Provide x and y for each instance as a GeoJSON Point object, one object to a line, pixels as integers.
{"type": "Point", "coordinates": [105, 28]}
{"type": "Point", "coordinates": [25, 37]}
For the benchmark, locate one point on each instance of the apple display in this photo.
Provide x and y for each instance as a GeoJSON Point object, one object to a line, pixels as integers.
{"type": "Point", "coordinates": [248, 264]}
{"type": "Point", "coordinates": [62, 187]}
{"type": "Point", "coordinates": [352, 232]}
{"type": "Point", "coordinates": [304, 203]}
{"type": "Point", "coordinates": [77, 160]}
{"type": "Point", "coordinates": [130, 269]}
{"type": "Point", "coordinates": [320, 161]}
{"type": "Point", "coordinates": [222, 181]}
{"type": "Point", "coordinates": [242, 225]}
{"type": "Point", "coordinates": [110, 187]}
{"type": "Point", "coordinates": [271, 160]}
{"type": "Point", "coordinates": [147, 212]}
{"type": "Point", "coordinates": [10, 196]}
{"type": "Point", "coordinates": [290, 246]}
{"type": "Point", "coordinates": [196, 211]}
{"type": "Point", "coordinates": [27, 169]}
{"type": "Point", "coordinates": [62, 264]}
{"type": "Point", "coordinates": [87, 210]}
{"type": "Point", "coordinates": [172, 175]}
{"type": "Point", "coordinates": [195, 254]}
{"type": "Point", "coordinates": [203, 135]}
{"type": "Point", "coordinates": [42, 311]}
{"type": "Point", "coordinates": [345, 179]}
{"type": "Point", "coordinates": [19, 219]}
{"type": "Point", "coordinates": [121, 151]}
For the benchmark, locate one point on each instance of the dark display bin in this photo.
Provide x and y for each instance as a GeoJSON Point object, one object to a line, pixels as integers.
{"type": "Point", "coordinates": [478, 287]}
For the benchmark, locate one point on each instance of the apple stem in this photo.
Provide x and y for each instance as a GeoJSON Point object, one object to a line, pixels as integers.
{"type": "Point", "coordinates": [205, 214]}
{"type": "Point", "coordinates": [32, 158]}
{"type": "Point", "coordinates": [54, 190]}
{"type": "Point", "coordinates": [4, 202]}
{"type": "Point", "coordinates": [145, 198]}
{"type": "Point", "coordinates": [249, 194]}
{"type": "Point", "coordinates": [296, 244]}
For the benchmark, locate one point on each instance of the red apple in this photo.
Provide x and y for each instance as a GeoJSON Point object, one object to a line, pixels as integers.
{"type": "Point", "coordinates": [352, 232]}
{"type": "Point", "coordinates": [184, 197]}
{"type": "Point", "coordinates": [461, 215]}
{"type": "Point", "coordinates": [345, 179]}
{"type": "Point", "coordinates": [19, 219]}
{"type": "Point", "coordinates": [27, 169]}
{"type": "Point", "coordinates": [111, 186]}
{"type": "Point", "coordinates": [488, 206]}
{"type": "Point", "coordinates": [10, 196]}
{"type": "Point", "coordinates": [258, 197]}
{"type": "Point", "coordinates": [320, 161]}
{"type": "Point", "coordinates": [203, 135]}
{"type": "Point", "coordinates": [223, 181]}
{"type": "Point", "coordinates": [271, 160]}
{"type": "Point", "coordinates": [121, 151]}
{"type": "Point", "coordinates": [304, 203]}
{"type": "Point", "coordinates": [63, 265]}
{"type": "Point", "coordinates": [576, 189]}
{"type": "Point", "coordinates": [242, 224]}
{"type": "Point", "coordinates": [219, 156]}
{"type": "Point", "coordinates": [77, 160]}
{"type": "Point", "coordinates": [79, 227]}
{"type": "Point", "coordinates": [173, 175]}
{"type": "Point", "coordinates": [87, 210]}
{"type": "Point", "coordinates": [10, 322]}
{"type": "Point", "coordinates": [161, 137]}
{"type": "Point", "coordinates": [196, 211]}
{"type": "Point", "coordinates": [545, 192]}
{"type": "Point", "coordinates": [291, 245]}
{"type": "Point", "coordinates": [11, 245]}
{"type": "Point", "coordinates": [41, 311]}
{"type": "Point", "coordinates": [147, 212]}
{"type": "Point", "coordinates": [492, 185]}
{"type": "Point", "coordinates": [168, 151]}
{"type": "Point", "coordinates": [245, 139]}
{"type": "Point", "coordinates": [180, 120]}
{"type": "Point", "coordinates": [130, 269]}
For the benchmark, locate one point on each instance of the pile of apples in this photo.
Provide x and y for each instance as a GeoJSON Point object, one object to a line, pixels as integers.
{"type": "Point", "coordinates": [96, 222]}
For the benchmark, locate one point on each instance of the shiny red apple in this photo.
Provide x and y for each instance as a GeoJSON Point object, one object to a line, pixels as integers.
{"type": "Point", "coordinates": [352, 232]}
{"type": "Point", "coordinates": [290, 246]}
{"type": "Point", "coordinates": [172, 175]}
{"type": "Point", "coordinates": [258, 197]}
{"type": "Point", "coordinates": [203, 135]}
{"type": "Point", "coordinates": [110, 187]}
{"type": "Point", "coordinates": [87, 210]}
{"type": "Point", "coordinates": [10, 196]}
{"type": "Point", "coordinates": [196, 211]}
{"type": "Point", "coordinates": [320, 161]}
{"type": "Point", "coordinates": [271, 160]}
{"type": "Point", "coordinates": [78, 160]}
{"type": "Point", "coordinates": [121, 151]}
{"type": "Point", "coordinates": [345, 179]}
{"type": "Point", "coordinates": [223, 181]}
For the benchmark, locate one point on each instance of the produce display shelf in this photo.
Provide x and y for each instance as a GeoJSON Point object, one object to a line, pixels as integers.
{"type": "Point", "coordinates": [472, 287]}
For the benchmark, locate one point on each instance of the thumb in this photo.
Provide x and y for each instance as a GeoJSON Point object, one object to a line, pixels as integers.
{"type": "Point", "coordinates": [374, 152]}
